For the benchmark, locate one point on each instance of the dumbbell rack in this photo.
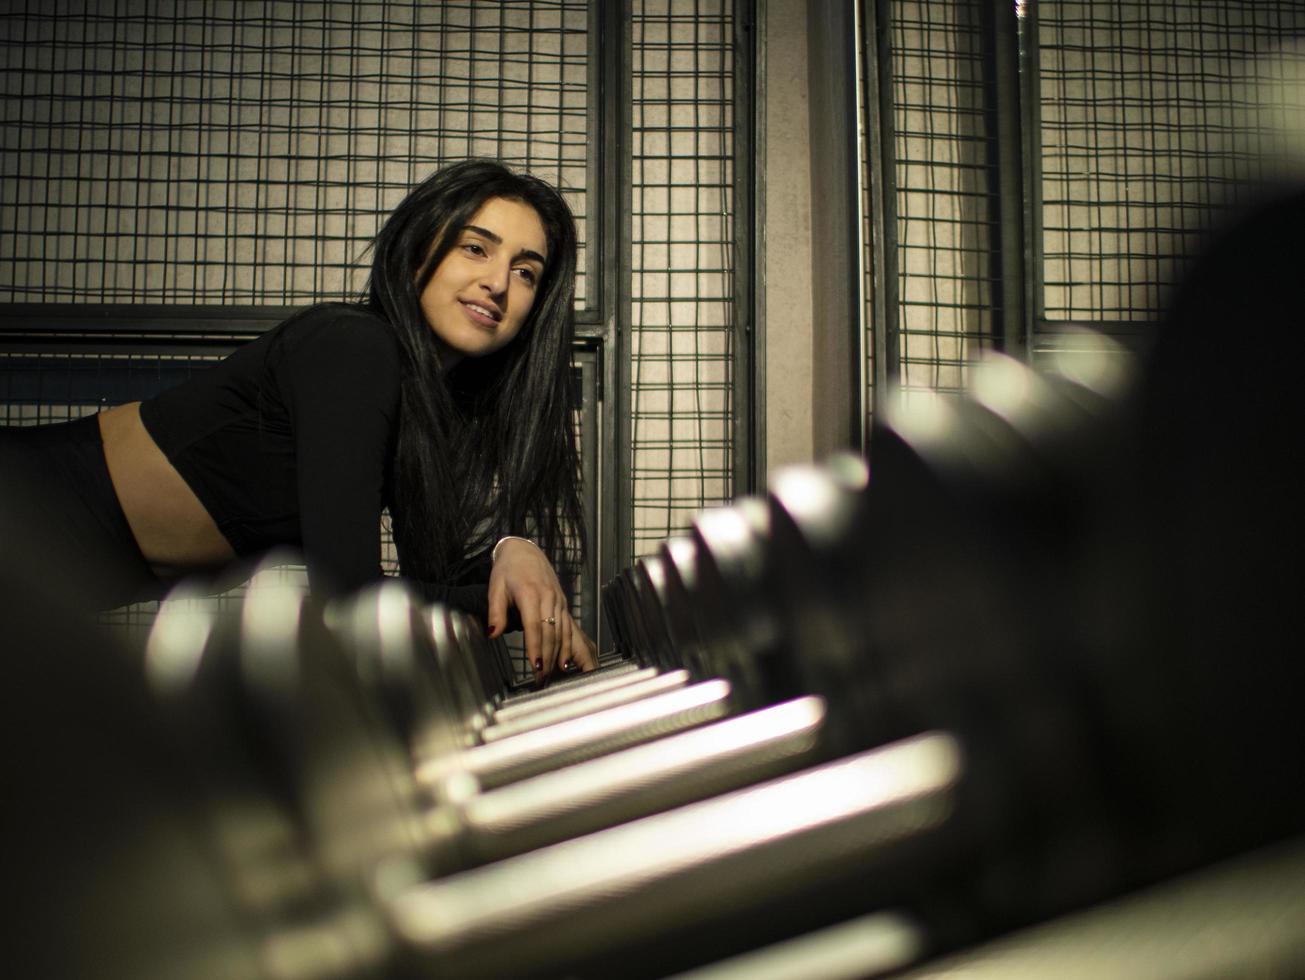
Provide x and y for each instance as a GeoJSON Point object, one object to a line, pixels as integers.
{"type": "Point", "coordinates": [783, 768]}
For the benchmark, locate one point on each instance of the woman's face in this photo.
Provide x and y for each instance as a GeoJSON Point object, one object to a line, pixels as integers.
{"type": "Point", "coordinates": [480, 294]}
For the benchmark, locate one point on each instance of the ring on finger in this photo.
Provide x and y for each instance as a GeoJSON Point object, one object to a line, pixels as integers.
{"type": "Point", "coordinates": [551, 620]}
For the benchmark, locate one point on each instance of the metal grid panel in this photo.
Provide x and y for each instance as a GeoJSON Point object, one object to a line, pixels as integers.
{"type": "Point", "coordinates": [224, 152]}
{"type": "Point", "coordinates": [1152, 113]}
{"type": "Point", "coordinates": [868, 109]}
{"type": "Point", "coordinates": [55, 386]}
{"type": "Point", "coordinates": [682, 273]}
{"type": "Point", "coordinates": [946, 212]}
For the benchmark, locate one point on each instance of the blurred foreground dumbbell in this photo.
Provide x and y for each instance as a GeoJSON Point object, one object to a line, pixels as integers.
{"type": "Point", "coordinates": [994, 579]}
{"type": "Point", "coordinates": [1085, 582]}
{"type": "Point", "coordinates": [107, 851]}
{"type": "Point", "coordinates": [409, 656]}
{"type": "Point", "coordinates": [267, 706]}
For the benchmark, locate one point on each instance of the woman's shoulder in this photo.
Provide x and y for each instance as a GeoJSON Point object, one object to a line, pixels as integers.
{"type": "Point", "coordinates": [340, 330]}
{"type": "Point", "coordinates": [337, 319]}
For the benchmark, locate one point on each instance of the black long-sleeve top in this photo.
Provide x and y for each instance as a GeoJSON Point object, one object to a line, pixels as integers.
{"type": "Point", "coordinates": [291, 441]}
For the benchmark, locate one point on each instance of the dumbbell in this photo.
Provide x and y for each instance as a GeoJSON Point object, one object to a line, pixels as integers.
{"type": "Point", "coordinates": [731, 752]}
{"type": "Point", "coordinates": [392, 638]}
{"type": "Point", "coordinates": [471, 673]}
{"type": "Point", "coordinates": [710, 596]}
{"type": "Point", "coordinates": [293, 757]}
{"type": "Point", "coordinates": [1238, 918]}
{"type": "Point", "coordinates": [630, 610]}
{"type": "Point", "coordinates": [981, 619]}
{"type": "Point", "coordinates": [618, 682]}
{"type": "Point", "coordinates": [725, 617]}
{"type": "Point", "coordinates": [780, 596]}
{"type": "Point", "coordinates": [298, 699]}
{"type": "Point", "coordinates": [101, 818]}
{"type": "Point", "coordinates": [310, 796]}
{"type": "Point", "coordinates": [503, 699]}
{"type": "Point", "coordinates": [383, 630]}
{"type": "Point", "coordinates": [675, 888]}
{"type": "Point", "coordinates": [1019, 482]}
{"type": "Point", "coordinates": [639, 612]}
{"type": "Point", "coordinates": [650, 619]}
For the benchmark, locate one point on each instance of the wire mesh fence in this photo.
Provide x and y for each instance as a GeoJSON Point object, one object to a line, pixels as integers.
{"type": "Point", "coordinates": [682, 277]}
{"type": "Point", "coordinates": [943, 175]}
{"type": "Point", "coordinates": [205, 151]}
{"type": "Point", "coordinates": [869, 161]}
{"type": "Point", "coordinates": [1154, 117]}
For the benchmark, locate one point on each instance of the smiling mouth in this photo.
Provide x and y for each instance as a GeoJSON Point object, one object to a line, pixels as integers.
{"type": "Point", "coordinates": [482, 315]}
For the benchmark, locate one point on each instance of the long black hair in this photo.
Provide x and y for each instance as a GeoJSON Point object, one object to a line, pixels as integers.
{"type": "Point", "coordinates": [486, 448]}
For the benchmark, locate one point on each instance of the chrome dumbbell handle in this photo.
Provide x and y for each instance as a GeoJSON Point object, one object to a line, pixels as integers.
{"type": "Point", "coordinates": [569, 742]}
{"type": "Point", "coordinates": [604, 792]}
{"type": "Point", "coordinates": [567, 690]}
{"type": "Point", "coordinates": [568, 684]}
{"type": "Point", "coordinates": [554, 713]}
{"type": "Point", "coordinates": [868, 946]}
{"type": "Point", "coordinates": [675, 870]}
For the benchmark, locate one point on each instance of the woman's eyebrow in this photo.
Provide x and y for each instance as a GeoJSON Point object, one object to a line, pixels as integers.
{"type": "Point", "coordinates": [497, 240]}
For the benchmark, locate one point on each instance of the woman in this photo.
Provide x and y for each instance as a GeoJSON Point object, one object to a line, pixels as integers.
{"type": "Point", "coordinates": [442, 395]}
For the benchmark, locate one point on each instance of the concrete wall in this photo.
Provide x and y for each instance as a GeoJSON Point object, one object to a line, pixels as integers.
{"type": "Point", "coordinates": [787, 236]}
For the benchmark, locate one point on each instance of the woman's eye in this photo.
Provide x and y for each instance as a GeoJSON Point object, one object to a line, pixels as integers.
{"type": "Point", "coordinates": [527, 274]}
{"type": "Point", "coordinates": [474, 248]}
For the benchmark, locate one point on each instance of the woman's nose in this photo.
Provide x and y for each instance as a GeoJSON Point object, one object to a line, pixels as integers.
{"type": "Point", "coordinates": [495, 278]}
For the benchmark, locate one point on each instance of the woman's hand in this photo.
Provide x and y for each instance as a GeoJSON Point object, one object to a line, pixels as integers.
{"type": "Point", "coordinates": [523, 577]}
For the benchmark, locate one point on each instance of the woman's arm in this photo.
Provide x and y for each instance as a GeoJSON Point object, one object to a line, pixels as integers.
{"type": "Point", "coordinates": [339, 376]}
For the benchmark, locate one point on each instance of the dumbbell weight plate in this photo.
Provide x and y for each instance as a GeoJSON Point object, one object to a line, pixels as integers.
{"type": "Point", "coordinates": [386, 634]}
{"type": "Point", "coordinates": [649, 580]}
{"type": "Point", "coordinates": [814, 555]}
{"type": "Point", "coordinates": [109, 866]}
{"type": "Point", "coordinates": [345, 770]}
{"type": "Point", "coordinates": [736, 621]}
{"type": "Point", "coordinates": [679, 558]}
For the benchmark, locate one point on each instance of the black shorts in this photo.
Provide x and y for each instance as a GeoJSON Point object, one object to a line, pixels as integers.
{"type": "Point", "coordinates": [63, 519]}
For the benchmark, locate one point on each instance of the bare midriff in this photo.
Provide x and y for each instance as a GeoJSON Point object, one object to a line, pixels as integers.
{"type": "Point", "coordinates": [174, 531]}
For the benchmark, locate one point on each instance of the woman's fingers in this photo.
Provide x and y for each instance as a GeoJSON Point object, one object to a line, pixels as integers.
{"type": "Point", "coordinates": [565, 654]}
{"type": "Point", "coordinates": [498, 610]}
{"type": "Point", "coordinates": [554, 623]}
{"type": "Point", "coordinates": [557, 645]}
{"type": "Point", "coordinates": [524, 576]}
{"type": "Point", "coordinates": [583, 650]}
{"type": "Point", "coordinates": [533, 629]}
{"type": "Point", "coordinates": [551, 637]}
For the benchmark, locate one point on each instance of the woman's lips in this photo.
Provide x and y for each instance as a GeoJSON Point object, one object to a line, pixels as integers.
{"type": "Point", "coordinates": [480, 315]}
